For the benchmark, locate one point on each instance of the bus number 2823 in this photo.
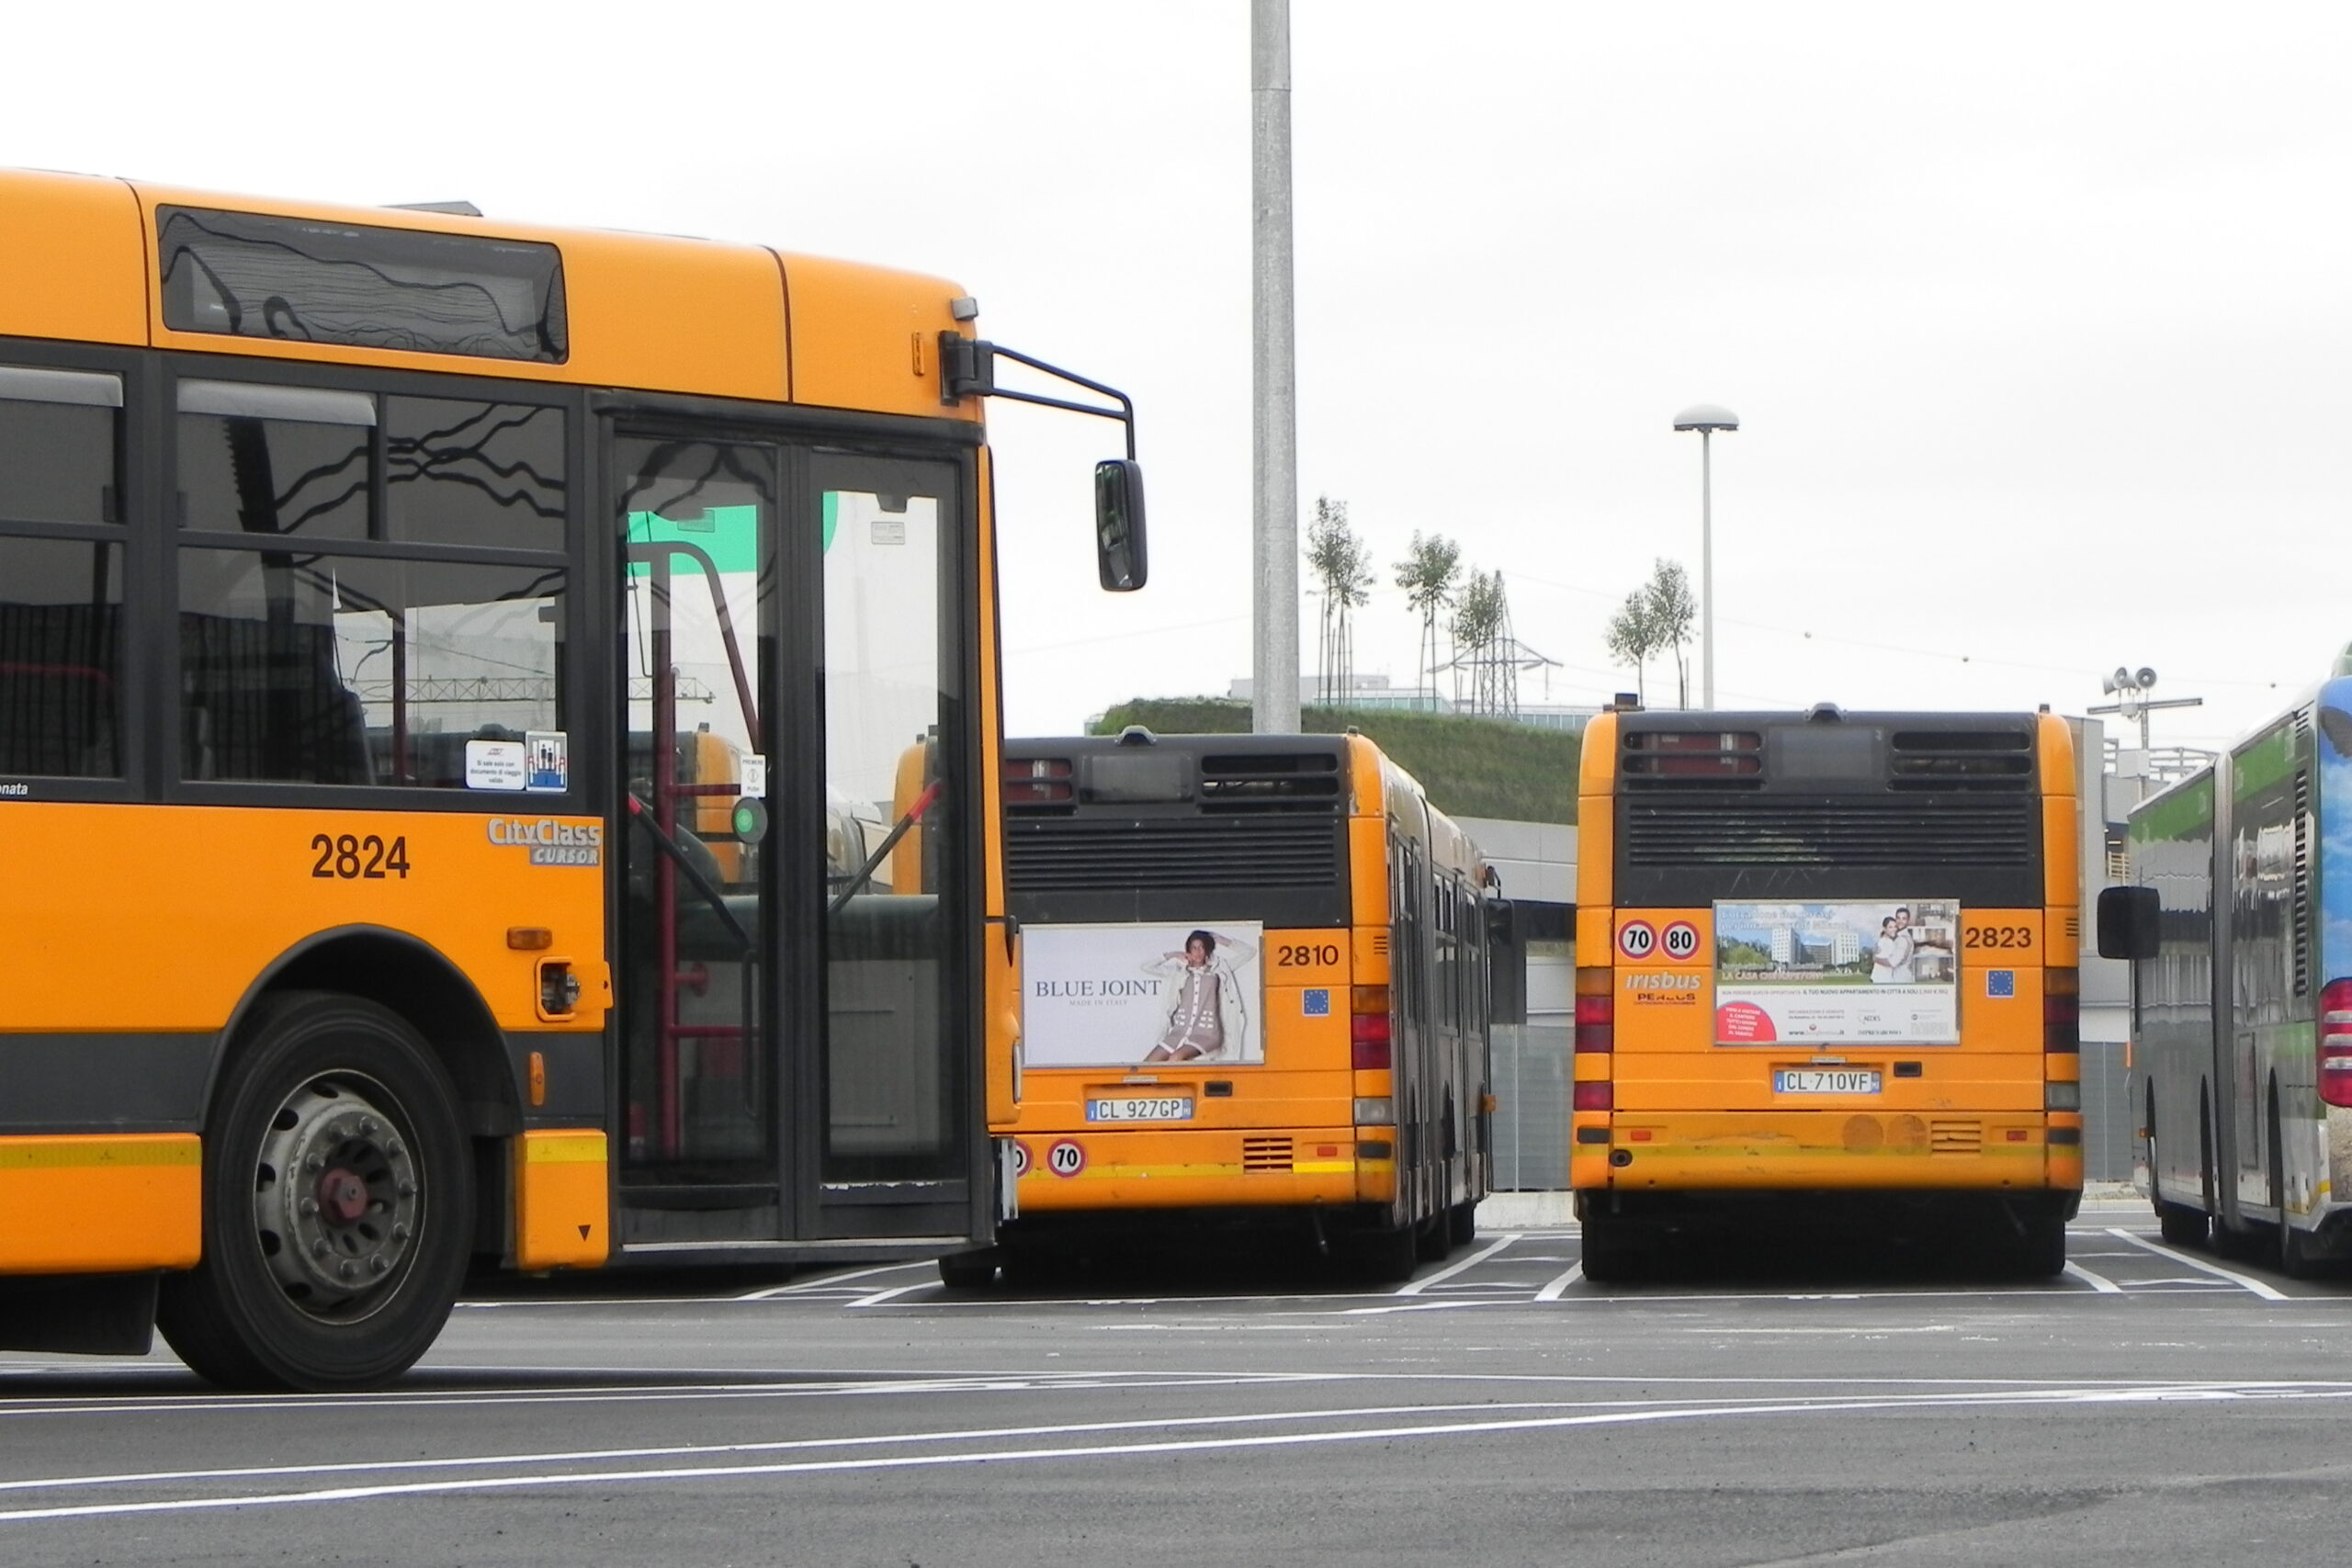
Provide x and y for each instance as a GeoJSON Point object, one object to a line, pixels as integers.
{"type": "Point", "coordinates": [1306, 954]}
{"type": "Point", "coordinates": [355, 859]}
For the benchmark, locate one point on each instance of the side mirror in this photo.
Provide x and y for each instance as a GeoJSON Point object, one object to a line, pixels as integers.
{"type": "Point", "coordinates": [1119, 557]}
{"type": "Point", "coordinates": [2127, 919]}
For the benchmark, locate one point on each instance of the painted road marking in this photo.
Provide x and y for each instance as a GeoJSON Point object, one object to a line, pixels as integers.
{"type": "Point", "coordinates": [2243, 1281]}
{"type": "Point", "coordinates": [2099, 1282]}
{"type": "Point", "coordinates": [1416, 1287]}
{"type": "Point", "coordinates": [1623, 1415]}
{"type": "Point", "coordinates": [1553, 1292]}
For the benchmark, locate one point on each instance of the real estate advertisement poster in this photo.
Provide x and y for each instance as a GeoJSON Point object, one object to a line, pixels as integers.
{"type": "Point", "coordinates": [1137, 996]}
{"type": "Point", "coordinates": [1860, 974]}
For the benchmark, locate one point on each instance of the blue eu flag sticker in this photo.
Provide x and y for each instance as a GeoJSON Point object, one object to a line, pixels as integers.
{"type": "Point", "coordinates": [1318, 1004]}
{"type": "Point", "coordinates": [2000, 982]}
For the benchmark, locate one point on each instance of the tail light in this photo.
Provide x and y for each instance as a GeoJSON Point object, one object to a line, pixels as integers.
{"type": "Point", "coordinates": [1369, 1050]}
{"type": "Point", "coordinates": [1600, 1095]}
{"type": "Point", "coordinates": [1037, 781]}
{"type": "Point", "coordinates": [2062, 1010]}
{"type": "Point", "coordinates": [2335, 1042]}
{"type": "Point", "coordinates": [1595, 1011]}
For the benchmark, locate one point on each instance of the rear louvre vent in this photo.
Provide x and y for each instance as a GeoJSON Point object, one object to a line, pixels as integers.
{"type": "Point", "coordinates": [1955, 1137]}
{"type": "Point", "coordinates": [1838, 830]}
{"type": "Point", "coordinates": [2300, 939]}
{"type": "Point", "coordinates": [1265, 1153]}
{"type": "Point", "coordinates": [1307, 781]}
{"type": "Point", "coordinates": [1067, 854]}
{"type": "Point", "coordinates": [1963, 758]}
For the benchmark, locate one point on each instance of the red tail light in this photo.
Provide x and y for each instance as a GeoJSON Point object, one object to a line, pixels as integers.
{"type": "Point", "coordinates": [2335, 1042]}
{"type": "Point", "coordinates": [2062, 1010]}
{"type": "Point", "coordinates": [1035, 780]}
{"type": "Point", "coordinates": [1368, 1044]}
{"type": "Point", "coordinates": [1597, 1023]}
{"type": "Point", "coordinates": [1601, 1096]}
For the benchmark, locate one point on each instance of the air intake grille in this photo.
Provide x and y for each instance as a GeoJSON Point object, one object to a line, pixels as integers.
{"type": "Point", "coordinates": [1955, 1137]}
{"type": "Point", "coordinates": [1838, 830]}
{"type": "Point", "coordinates": [1077, 855]}
{"type": "Point", "coordinates": [1265, 1153]}
{"type": "Point", "coordinates": [1252, 781]}
{"type": "Point", "coordinates": [1963, 758]}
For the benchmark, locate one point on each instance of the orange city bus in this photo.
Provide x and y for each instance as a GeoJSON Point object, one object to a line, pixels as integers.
{"type": "Point", "coordinates": [1826, 971]}
{"type": "Point", "coordinates": [1254, 994]}
{"type": "Point", "coordinates": [458, 644]}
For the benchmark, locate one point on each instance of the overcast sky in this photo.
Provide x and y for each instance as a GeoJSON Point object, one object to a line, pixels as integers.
{"type": "Point", "coordinates": [2032, 314]}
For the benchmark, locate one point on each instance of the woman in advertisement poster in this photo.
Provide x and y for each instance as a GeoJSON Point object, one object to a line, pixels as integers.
{"type": "Point", "coordinates": [1207, 1012]}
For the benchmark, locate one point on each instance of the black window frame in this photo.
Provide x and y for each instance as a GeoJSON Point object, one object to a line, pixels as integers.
{"type": "Point", "coordinates": [133, 508]}
{"type": "Point", "coordinates": [582, 678]}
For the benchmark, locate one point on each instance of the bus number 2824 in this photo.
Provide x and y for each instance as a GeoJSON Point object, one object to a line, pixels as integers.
{"type": "Point", "coordinates": [355, 859]}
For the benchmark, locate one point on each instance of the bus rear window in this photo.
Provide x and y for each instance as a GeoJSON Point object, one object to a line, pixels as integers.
{"type": "Point", "coordinates": [246, 276]}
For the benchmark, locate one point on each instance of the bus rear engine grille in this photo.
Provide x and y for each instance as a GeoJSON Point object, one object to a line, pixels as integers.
{"type": "Point", "coordinates": [1064, 854]}
{"type": "Point", "coordinates": [1265, 1153]}
{"type": "Point", "coordinates": [1955, 1137]}
{"type": "Point", "coordinates": [1963, 758]}
{"type": "Point", "coordinates": [1852, 831]}
{"type": "Point", "coordinates": [1303, 781]}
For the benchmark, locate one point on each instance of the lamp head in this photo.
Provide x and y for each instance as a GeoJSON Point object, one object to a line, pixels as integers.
{"type": "Point", "coordinates": [1707, 417]}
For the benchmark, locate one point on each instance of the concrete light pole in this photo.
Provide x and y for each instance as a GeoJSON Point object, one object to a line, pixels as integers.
{"type": "Point", "coordinates": [1706, 419]}
{"type": "Point", "coordinates": [1273, 691]}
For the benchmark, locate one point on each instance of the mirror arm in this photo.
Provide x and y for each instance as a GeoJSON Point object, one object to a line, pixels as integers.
{"type": "Point", "coordinates": [968, 370]}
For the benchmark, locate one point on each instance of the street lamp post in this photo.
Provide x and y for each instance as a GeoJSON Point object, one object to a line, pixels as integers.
{"type": "Point", "coordinates": [1706, 419]}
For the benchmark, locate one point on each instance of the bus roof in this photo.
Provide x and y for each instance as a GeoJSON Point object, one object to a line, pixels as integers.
{"type": "Point", "coordinates": [645, 313]}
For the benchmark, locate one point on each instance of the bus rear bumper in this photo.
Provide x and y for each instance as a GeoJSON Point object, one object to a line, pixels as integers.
{"type": "Point", "coordinates": [1195, 1168]}
{"type": "Point", "coordinates": [1828, 1151]}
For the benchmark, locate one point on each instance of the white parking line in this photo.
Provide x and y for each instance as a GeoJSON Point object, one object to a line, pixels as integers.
{"type": "Point", "coordinates": [878, 1297]}
{"type": "Point", "coordinates": [2243, 1281]}
{"type": "Point", "coordinates": [1557, 1288]}
{"type": "Point", "coordinates": [826, 1282]}
{"type": "Point", "coordinates": [1417, 1286]}
{"type": "Point", "coordinates": [2100, 1282]}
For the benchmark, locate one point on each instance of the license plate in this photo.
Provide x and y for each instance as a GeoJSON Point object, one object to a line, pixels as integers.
{"type": "Point", "coordinates": [1825, 1080]}
{"type": "Point", "coordinates": [1137, 1108]}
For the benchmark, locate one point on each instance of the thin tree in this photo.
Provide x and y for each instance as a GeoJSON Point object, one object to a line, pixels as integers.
{"type": "Point", "coordinates": [1672, 608]}
{"type": "Point", "coordinates": [1631, 636]}
{"type": "Point", "coordinates": [1480, 613]}
{"type": "Point", "coordinates": [1427, 574]}
{"type": "Point", "coordinates": [1343, 564]}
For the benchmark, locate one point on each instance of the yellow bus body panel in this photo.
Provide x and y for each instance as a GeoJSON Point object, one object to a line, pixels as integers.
{"type": "Point", "coordinates": [161, 918]}
{"type": "Point", "coordinates": [103, 1203]}
{"type": "Point", "coordinates": [1269, 1166]}
{"type": "Point", "coordinates": [864, 337]}
{"type": "Point", "coordinates": [563, 1218]}
{"type": "Point", "coordinates": [1844, 1148]}
{"type": "Point", "coordinates": [76, 264]}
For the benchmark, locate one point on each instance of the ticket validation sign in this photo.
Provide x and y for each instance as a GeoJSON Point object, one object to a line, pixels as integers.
{"type": "Point", "coordinates": [1125, 996]}
{"type": "Point", "coordinates": [1875, 973]}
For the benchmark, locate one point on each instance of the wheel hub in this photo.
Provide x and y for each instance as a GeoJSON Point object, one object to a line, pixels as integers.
{"type": "Point", "coordinates": [336, 1198]}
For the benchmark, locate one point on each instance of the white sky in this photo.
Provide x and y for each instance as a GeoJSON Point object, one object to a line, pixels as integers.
{"type": "Point", "coordinates": [2032, 314]}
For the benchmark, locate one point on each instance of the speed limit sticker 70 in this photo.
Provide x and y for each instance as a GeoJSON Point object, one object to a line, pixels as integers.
{"type": "Point", "coordinates": [1682, 941]}
{"type": "Point", "coordinates": [1020, 1159]}
{"type": "Point", "coordinates": [1066, 1159]}
{"type": "Point", "coordinates": [1635, 939]}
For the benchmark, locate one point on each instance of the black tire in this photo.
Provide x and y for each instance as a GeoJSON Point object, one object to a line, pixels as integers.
{"type": "Point", "coordinates": [1433, 1237]}
{"type": "Point", "coordinates": [1389, 1255]}
{"type": "Point", "coordinates": [1461, 1222]}
{"type": "Point", "coordinates": [343, 1281]}
{"type": "Point", "coordinates": [1610, 1257]}
{"type": "Point", "coordinates": [967, 1270]}
{"type": "Point", "coordinates": [2039, 1252]}
{"type": "Point", "coordinates": [2182, 1225]}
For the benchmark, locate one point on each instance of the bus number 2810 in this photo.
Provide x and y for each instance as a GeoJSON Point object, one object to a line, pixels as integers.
{"type": "Point", "coordinates": [1306, 954]}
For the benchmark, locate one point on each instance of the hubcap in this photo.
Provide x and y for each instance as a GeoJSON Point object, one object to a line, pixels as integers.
{"type": "Point", "coordinates": [337, 1199]}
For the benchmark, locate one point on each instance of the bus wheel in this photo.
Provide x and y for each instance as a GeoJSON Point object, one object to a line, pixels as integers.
{"type": "Point", "coordinates": [1610, 1257]}
{"type": "Point", "coordinates": [338, 1203]}
{"type": "Point", "coordinates": [2178, 1223]}
{"type": "Point", "coordinates": [1433, 1237]}
{"type": "Point", "coordinates": [1389, 1253]}
{"type": "Point", "coordinates": [1462, 1219]}
{"type": "Point", "coordinates": [968, 1271]}
{"type": "Point", "coordinates": [2041, 1248]}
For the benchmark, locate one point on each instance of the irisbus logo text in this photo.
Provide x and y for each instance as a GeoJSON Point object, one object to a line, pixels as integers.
{"type": "Point", "coordinates": [550, 842]}
{"type": "Point", "coordinates": [1656, 985]}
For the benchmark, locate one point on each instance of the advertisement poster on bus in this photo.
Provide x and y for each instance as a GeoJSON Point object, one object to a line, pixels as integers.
{"type": "Point", "coordinates": [1856, 974]}
{"type": "Point", "coordinates": [1142, 996]}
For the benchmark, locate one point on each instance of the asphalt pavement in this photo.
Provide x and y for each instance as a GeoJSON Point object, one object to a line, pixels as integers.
{"type": "Point", "coordinates": [2154, 1404]}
